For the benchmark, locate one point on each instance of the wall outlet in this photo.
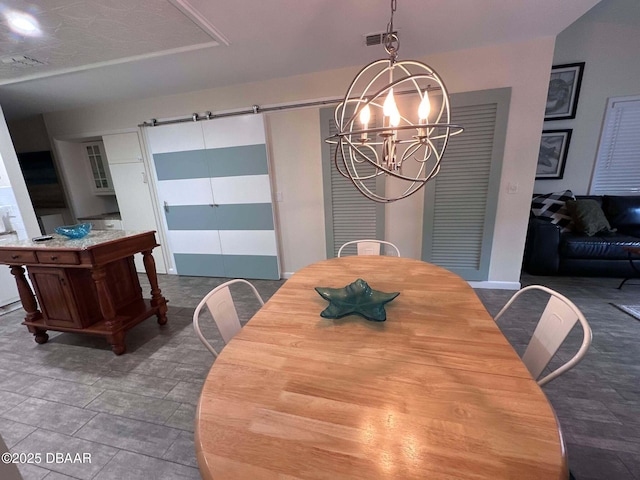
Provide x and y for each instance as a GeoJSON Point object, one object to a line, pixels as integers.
{"type": "Point", "coordinates": [513, 187]}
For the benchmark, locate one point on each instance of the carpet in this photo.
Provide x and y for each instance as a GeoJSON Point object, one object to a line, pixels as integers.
{"type": "Point", "coordinates": [633, 310]}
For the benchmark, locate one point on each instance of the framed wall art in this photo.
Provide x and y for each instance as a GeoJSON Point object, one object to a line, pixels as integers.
{"type": "Point", "coordinates": [564, 88]}
{"type": "Point", "coordinates": [554, 146]}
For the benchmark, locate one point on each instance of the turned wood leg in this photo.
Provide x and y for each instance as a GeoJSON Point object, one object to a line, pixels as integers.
{"type": "Point", "coordinates": [116, 336]}
{"type": "Point", "coordinates": [157, 300]}
{"type": "Point", "coordinates": [40, 336]}
{"type": "Point", "coordinates": [117, 342]}
{"type": "Point", "coordinates": [27, 297]}
{"type": "Point", "coordinates": [29, 304]}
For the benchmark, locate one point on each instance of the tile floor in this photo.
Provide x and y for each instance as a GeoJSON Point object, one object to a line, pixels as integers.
{"type": "Point", "coordinates": [597, 402]}
{"type": "Point", "coordinates": [134, 413]}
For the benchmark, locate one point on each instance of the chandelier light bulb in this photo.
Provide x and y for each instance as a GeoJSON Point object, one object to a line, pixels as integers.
{"type": "Point", "coordinates": [394, 119]}
{"type": "Point", "coordinates": [424, 108]}
{"type": "Point", "coordinates": [389, 107]}
{"type": "Point", "coordinates": [423, 114]}
{"type": "Point", "coordinates": [365, 116]}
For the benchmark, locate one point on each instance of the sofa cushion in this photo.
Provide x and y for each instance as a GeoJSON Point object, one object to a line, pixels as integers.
{"type": "Point", "coordinates": [587, 216]}
{"type": "Point", "coordinates": [597, 198]}
{"type": "Point", "coordinates": [609, 247]}
{"type": "Point", "coordinates": [623, 213]}
{"type": "Point", "coordinates": [552, 205]}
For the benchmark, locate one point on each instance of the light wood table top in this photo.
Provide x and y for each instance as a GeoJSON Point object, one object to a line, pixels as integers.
{"type": "Point", "coordinates": [435, 392]}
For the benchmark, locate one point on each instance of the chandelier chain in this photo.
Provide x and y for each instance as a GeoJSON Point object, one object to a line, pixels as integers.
{"type": "Point", "coordinates": [391, 41]}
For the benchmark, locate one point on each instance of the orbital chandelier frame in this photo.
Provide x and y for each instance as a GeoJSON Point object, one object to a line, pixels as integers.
{"type": "Point", "coordinates": [391, 149]}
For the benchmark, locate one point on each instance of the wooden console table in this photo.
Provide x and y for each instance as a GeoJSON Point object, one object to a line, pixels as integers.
{"type": "Point", "coordinates": [86, 285]}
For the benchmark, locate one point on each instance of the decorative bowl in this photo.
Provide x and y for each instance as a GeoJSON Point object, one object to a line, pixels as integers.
{"type": "Point", "coordinates": [74, 231]}
{"type": "Point", "coordinates": [356, 298]}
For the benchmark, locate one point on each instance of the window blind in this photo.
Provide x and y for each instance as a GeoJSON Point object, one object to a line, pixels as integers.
{"type": "Point", "coordinates": [617, 168]}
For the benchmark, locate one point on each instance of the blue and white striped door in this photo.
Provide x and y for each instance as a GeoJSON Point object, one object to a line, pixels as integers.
{"type": "Point", "coordinates": [213, 181]}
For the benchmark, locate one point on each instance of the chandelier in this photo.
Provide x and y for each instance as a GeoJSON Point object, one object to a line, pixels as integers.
{"type": "Point", "coordinates": [408, 146]}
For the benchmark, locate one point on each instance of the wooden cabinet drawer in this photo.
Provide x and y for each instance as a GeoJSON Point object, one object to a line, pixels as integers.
{"type": "Point", "coordinates": [17, 257]}
{"type": "Point", "coordinates": [57, 257]}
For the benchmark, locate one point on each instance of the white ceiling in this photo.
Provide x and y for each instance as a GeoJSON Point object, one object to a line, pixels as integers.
{"type": "Point", "coordinates": [97, 51]}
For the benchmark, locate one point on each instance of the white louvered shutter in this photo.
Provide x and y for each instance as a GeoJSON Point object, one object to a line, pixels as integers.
{"type": "Point", "coordinates": [617, 169]}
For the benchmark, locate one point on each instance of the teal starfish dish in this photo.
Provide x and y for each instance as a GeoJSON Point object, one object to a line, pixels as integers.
{"type": "Point", "coordinates": [356, 298]}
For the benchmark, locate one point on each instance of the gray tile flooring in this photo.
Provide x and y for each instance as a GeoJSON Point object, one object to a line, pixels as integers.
{"type": "Point", "coordinates": [134, 413]}
{"type": "Point", "coordinates": [597, 402]}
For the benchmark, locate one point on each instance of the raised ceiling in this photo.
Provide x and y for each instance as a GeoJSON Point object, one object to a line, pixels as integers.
{"type": "Point", "coordinates": [101, 51]}
{"type": "Point", "coordinates": [74, 34]}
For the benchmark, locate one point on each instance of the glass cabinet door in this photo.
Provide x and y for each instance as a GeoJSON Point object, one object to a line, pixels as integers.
{"type": "Point", "coordinates": [102, 183]}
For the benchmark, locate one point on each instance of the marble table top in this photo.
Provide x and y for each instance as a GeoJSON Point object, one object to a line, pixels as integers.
{"type": "Point", "coordinates": [94, 238]}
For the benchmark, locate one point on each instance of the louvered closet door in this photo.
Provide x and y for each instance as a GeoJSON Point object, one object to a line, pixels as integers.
{"type": "Point", "coordinates": [214, 186]}
{"type": "Point", "coordinates": [460, 204]}
{"type": "Point", "coordinates": [349, 215]}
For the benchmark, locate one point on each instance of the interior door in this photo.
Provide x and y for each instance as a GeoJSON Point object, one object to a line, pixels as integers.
{"type": "Point", "coordinates": [214, 187]}
{"type": "Point", "coordinates": [460, 203]}
{"type": "Point", "coordinates": [349, 215]}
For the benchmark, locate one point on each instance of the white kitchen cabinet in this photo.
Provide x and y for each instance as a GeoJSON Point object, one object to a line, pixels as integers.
{"type": "Point", "coordinates": [122, 148]}
{"type": "Point", "coordinates": [101, 183]}
{"type": "Point", "coordinates": [131, 186]}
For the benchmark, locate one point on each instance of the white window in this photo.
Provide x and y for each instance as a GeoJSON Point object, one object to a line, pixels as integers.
{"type": "Point", "coordinates": [617, 168]}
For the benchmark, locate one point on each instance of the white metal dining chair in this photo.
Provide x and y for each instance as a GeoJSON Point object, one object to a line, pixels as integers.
{"type": "Point", "coordinates": [369, 247]}
{"type": "Point", "coordinates": [557, 320]}
{"type": "Point", "coordinates": [223, 310]}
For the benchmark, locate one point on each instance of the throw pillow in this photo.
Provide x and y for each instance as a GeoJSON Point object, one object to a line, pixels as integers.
{"type": "Point", "coordinates": [552, 206]}
{"type": "Point", "coordinates": [588, 217]}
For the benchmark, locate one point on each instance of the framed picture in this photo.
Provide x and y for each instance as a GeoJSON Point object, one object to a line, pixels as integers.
{"type": "Point", "coordinates": [554, 146]}
{"type": "Point", "coordinates": [564, 88]}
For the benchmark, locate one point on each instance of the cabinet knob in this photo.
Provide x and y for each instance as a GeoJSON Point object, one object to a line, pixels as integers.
{"type": "Point", "coordinates": [53, 257]}
{"type": "Point", "coordinates": [15, 257]}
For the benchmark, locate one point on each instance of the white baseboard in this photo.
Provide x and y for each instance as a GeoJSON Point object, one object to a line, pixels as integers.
{"type": "Point", "coordinates": [287, 274]}
{"type": "Point", "coordinates": [496, 285]}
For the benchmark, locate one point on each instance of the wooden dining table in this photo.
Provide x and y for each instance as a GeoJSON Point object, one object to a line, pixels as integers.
{"type": "Point", "coordinates": [434, 392]}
